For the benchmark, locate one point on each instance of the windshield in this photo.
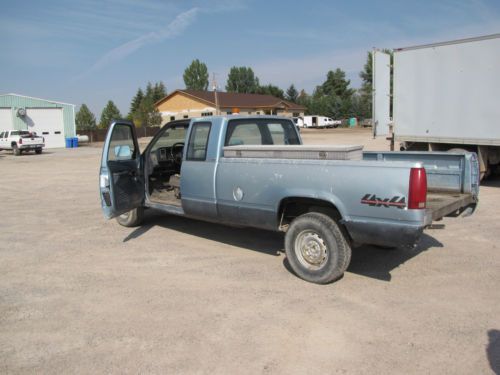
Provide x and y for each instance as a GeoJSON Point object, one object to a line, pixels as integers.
{"type": "Point", "coordinates": [174, 134]}
{"type": "Point", "coordinates": [20, 132]}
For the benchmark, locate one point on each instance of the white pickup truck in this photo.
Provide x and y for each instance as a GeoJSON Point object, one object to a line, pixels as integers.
{"type": "Point", "coordinates": [21, 140]}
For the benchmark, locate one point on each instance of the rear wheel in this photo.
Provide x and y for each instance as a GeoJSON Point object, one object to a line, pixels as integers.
{"type": "Point", "coordinates": [133, 218]}
{"type": "Point", "coordinates": [16, 150]}
{"type": "Point", "coordinates": [38, 151]}
{"type": "Point", "coordinates": [316, 248]}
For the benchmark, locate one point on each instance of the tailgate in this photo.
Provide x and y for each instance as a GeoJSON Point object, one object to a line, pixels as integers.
{"type": "Point", "coordinates": [32, 140]}
{"type": "Point", "coordinates": [452, 178]}
{"type": "Point", "coordinates": [443, 204]}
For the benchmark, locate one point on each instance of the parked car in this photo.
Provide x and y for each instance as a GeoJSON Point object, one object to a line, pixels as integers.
{"type": "Point", "coordinates": [255, 172]}
{"type": "Point", "coordinates": [21, 140]}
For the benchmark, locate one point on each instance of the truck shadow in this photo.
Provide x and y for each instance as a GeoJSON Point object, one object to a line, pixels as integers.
{"type": "Point", "coordinates": [263, 241]}
{"type": "Point", "coordinates": [491, 182]}
{"type": "Point", "coordinates": [493, 350]}
{"type": "Point", "coordinates": [377, 263]}
{"type": "Point", "coordinates": [369, 261]}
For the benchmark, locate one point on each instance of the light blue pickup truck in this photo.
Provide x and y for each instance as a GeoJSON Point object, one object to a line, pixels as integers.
{"type": "Point", "coordinates": [255, 172]}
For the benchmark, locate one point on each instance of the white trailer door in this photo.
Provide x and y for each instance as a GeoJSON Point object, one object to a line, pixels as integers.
{"type": "Point", "coordinates": [381, 92]}
{"type": "Point", "coordinates": [6, 119]}
{"type": "Point", "coordinates": [48, 123]}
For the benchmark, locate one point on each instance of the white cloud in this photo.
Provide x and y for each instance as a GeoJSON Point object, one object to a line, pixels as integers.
{"type": "Point", "coordinates": [172, 30]}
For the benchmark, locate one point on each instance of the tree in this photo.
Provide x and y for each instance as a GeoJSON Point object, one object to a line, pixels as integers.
{"type": "Point", "coordinates": [336, 84]}
{"type": "Point", "coordinates": [271, 90]}
{"type": "Point", "coordinates": [159, 91]}
{"type": "Point", "coordinates": [147, 115]}
{"type": "Point", "coordinates": [136, 102]}
{"type": "Point", "coordinates": [196, 76]}
{"type": "Point", "coordinates": [85, 120]}
{"type": "Point", "coordinates": [242, 80]}
{"type": "Point", "coordinates": [109, 113]}
{"type": "Point", "coordinates": [149, 91]}
{"type": "Point", "coordinates": [292, 94]}
{"type": "Point", "coordinates": [366, 76]}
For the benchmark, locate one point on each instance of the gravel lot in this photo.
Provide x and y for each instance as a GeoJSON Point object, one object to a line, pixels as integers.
{"type": "Point", "coordinates": [79, 294]}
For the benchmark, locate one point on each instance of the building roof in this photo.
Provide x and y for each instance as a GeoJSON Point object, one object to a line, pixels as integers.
{"type": "Point", "coordinates": [236, 100]}
{"type": "Point", "coordinates": [32, 97]}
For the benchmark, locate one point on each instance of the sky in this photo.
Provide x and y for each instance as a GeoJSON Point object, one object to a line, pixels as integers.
{"type": "Point", "coordinates": [99, 50]}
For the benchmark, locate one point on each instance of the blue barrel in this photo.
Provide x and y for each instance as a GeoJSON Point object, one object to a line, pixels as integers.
{"type": "Point", "coordinates": [75, 142]}
{"type": "Point", "coordinates": [69, 142]}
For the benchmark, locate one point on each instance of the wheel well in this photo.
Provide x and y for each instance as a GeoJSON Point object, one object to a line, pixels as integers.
{"type": "Point", "coordinates": [292, 207]}
{"type": "Point", "coordinates": [13, 143]}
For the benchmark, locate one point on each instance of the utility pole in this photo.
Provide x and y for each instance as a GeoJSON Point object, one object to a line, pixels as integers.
{"type": "Point", "coordinates": [214, 86]}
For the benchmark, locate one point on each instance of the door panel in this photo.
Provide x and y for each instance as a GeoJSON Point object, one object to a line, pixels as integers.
{"type": "Point", "coordinates": [198, 172]}
{"type": "Point", "coordinates": [121, 181]}
{"type": "Point", "coordinates": [6, 119]}
{"type": "Point", "coordinates": [47, 123]}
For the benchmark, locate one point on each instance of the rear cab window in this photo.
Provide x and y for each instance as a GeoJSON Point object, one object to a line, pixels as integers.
{"type": "Point", "coordinates": [261, 132]}
{"type": "Point", "coordinates": [198, 141]}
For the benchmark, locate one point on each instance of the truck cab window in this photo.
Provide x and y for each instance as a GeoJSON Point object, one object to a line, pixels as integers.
{"type": "Point", "coordinates": [244, 134]}
{"type": "Point", "coordinates": [122, 145]}
{"type": "Point", "coordinates": [198, 141]}
{"type": "Point", "coordinates": [261, 132]}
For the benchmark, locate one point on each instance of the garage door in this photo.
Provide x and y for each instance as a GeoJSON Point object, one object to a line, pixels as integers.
{"type": "Point", "coordinates": [48, 123]}
{"type": "Point", "coordinates": [5, 119]}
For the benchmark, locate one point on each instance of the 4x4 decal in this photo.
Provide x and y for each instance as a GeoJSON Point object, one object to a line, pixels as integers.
{"type": "Point", "coordinates": [374, 201]}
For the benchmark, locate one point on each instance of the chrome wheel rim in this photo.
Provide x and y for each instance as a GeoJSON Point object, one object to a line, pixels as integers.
{"type": "Point", "coordinates": [311, 250]}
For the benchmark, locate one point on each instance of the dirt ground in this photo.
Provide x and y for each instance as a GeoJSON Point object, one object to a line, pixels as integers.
{"type": "Point", "coordinates": [79, 294]}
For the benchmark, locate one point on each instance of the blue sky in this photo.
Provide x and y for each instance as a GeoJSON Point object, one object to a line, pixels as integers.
{"type": "Point", "coordinates": [93, 51]}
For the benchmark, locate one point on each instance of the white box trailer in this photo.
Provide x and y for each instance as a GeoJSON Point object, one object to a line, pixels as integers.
{"type": "Point", "coordinates": [320, 122]}
{"type": "Point", "coordinates": [446, 97]}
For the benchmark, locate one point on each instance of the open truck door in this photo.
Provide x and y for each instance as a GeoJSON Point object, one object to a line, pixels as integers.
{"type": "Point", "coordinates": [121, 181]}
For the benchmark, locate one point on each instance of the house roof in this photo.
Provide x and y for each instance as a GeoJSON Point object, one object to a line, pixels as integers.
{"type": "Point", "coordinates": [236, 100]}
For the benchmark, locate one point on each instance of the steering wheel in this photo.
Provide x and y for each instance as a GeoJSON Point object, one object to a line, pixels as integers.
{"type": "Point", "coordinates": [177, 156]}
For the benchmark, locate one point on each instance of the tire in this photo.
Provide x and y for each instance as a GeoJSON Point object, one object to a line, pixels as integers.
{"type": "Point", "coordinates": [133, 218]}
{"type": "Point", "coordinates": [316, 248]}
{"type": "Point", "coordinates": [16, 150]}
{"type": "Point", "coordinates": [38, 151]}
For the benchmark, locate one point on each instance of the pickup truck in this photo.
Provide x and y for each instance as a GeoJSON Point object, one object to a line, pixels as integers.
{"type": "Point", "coordinates": [21, 140]}
{"type": "Point", "coordinates": [255, 172]}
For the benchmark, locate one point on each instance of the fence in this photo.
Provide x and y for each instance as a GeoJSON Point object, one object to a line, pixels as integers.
{"type": "Point", "coordinates": [99, 135]}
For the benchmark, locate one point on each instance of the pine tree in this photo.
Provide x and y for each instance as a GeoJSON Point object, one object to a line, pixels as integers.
{"type": "Point", "coordinates": [109, 113]}
{"type": "Point", "coordinates": [136, 102]}
{"type": "Point", "coordinates": [292, 94]}
{"type": "Point", "coordinates": [159, 91]}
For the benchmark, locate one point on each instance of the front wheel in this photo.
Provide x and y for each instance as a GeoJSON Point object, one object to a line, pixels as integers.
{"type": "Point", "coordinates": [133, 218]}
{"type": "Point", "coordinates": [316, 248]}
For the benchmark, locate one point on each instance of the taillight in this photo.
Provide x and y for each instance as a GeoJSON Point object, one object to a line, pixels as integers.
{"type": "Point", "coordinates": [417, 195]}
{"type": "Point", "coordinates": [43, 139]}
{"type": "Point", "coordinates": [20, 141]}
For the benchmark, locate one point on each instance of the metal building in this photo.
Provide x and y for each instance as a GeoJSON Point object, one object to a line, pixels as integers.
{"type": "Point", "coordinates": [52, 120]}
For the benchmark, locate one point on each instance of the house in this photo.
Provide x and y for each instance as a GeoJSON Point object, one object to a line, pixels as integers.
{"type": "Point", "coordinates": [182, 104]}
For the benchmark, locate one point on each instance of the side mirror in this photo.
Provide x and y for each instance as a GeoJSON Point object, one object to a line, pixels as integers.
{"type": "Point", "coordinates": [123, 152]}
